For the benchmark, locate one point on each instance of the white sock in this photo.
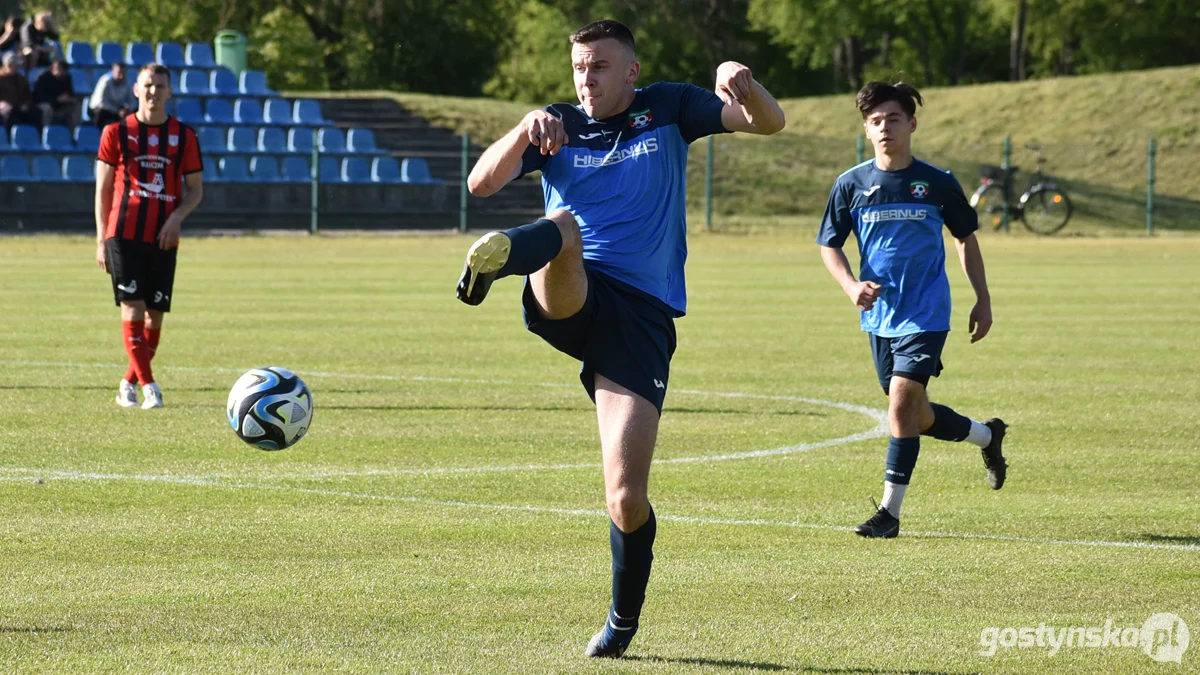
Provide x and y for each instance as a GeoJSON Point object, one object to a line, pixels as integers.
{"type": "Point", "coordinates": [980, 434]}
{"type": "Point", "coordinates": [893, 497]}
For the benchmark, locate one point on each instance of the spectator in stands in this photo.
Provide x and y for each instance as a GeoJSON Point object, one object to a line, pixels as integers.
{"type": "Point", "coordinates": [54, 93]}
{"type": "Point", "coordinates": [16, 101]}
{"type": "Point", "coordinates": [10, 37]}
{"type": "Point", "coordinates": [113, 98]}
{"type": "Point", "coordinates": [36, 35]}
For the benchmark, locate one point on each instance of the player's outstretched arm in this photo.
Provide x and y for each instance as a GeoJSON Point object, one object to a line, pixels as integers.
{"type": "Point", "coordinates": [972, 264]}
{"type": "Point", "coordinates": [749, 107]}
{"type": "Point", "coordinates": [862, 293]}
{"type": "Point", "coordinates": [501, 162]}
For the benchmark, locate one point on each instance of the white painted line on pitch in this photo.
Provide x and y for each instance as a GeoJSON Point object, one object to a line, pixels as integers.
{"type": "Point", "coordinates": [498, 508]}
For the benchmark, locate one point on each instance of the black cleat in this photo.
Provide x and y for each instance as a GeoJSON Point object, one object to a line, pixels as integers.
{"type": "Point", "coordinates": [882, 525]}
{"type": "Point", "coordinates": [485, 257]}
{"type": "Point", "coordinates": [612, 640]}
{"type": "Point", "coordinates": [993, 459]}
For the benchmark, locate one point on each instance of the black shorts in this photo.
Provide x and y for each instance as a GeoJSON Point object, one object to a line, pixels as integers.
{"type": "Point", "coordinates": [141, 271]}
{"type": "Point", "coordinates": [621, 333]}
{"type": "Point", "coordinates": [917, 354]}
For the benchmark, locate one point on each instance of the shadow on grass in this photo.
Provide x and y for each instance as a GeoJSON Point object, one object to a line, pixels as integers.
{"type": "Point", "coordinates": [35, 630]}
{"type": "Point", "coordinates": [1170, 539]}
{"type": "Point", "coordinates": [775, 667]}
{"type": "Point", "coordinates": [580, 408]}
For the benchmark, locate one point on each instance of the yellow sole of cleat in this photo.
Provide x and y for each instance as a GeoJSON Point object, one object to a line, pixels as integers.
{"type": "Point", "coordinates": [487, 255]}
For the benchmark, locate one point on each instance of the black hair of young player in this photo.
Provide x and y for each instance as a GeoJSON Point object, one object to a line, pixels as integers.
{"type": "Point", "coordinates": [875, 94]}
{"type": "Point", "coordinates": [602, 29]}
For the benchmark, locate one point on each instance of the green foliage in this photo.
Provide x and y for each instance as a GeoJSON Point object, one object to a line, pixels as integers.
{"type": "Point", "coordinates": [535, 64]}
{"type": "Point", "coordinates": [282, 46]}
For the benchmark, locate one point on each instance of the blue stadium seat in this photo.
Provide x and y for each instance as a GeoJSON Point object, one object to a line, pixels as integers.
{"type": "Point", "coordinates": [272, 141]}
{"type": "Point", "coordinates": [277, 111]}
{"type": "Point", "coordinates": [356, 170]}
{"type": "Point", "coordinates": [385, 170]}
{"type": "Point", "coordinates": [138, 54]}
{"type": "Point", "coordinates": [34, 74]}
{"type": "Point", "coordinates": [264, 169]}
{"type": "Point", "coordinates": [218, 111]}
{"type": "Point", "coordinates": [170, 54]}
{"type": "Point", "coordinates": [415, 170]}
{"type": "Point", "coordinates": [87, 139]}
{"type": "Point", "coordinates": [212, 140]}
{"type": "Point", "coordinates": [80, 54]}
{"type": "Point", "coordinates": [223, 83]}
{"type": "Point", "coordinates": [200, 55]}
{"type": "Point", "coordinates": [79, 169]}
{"type": "Point", "coordinates": [248, 111]}
{"type": "Point", "coordinates": [81, 82]}
{"type": "Point", "coordinates": [234, 170]}
{"type": "Point", "coordinates": [329, 171]}
{"type": "Point", "coordinates": [300, 140]}
{"type": "Point", "coordinates": [108, 53]}
{"type": "Point", "coordinates": [331, 141]}
{"type": "Point", "coordinates": [47, 168]}
{"type": "Point", "coordinates": [14, 168]}
{"type": "Point", "coordinates": [362, 142]}
{"type": "Point", "coordinates": [296, 170]}
{"type": "Point", "coordinates": [254, 83]}
{"type": "Point", "coordinates": [211, 175]}
{"type": "Point", "coordinates": [4, 143]}
{"type": "Point", "coordinates": [188, 111]}
{"type": "Point", "coordinates": [194, 83]}
{"type": "Point", "coordinates": [307, 112]}
{"type": "Point", "coordinates": [242, 140]}
{"type": "Point", "coordinates": [25, 138]}
{"type": "Point", "coordinates": [85, 115]}
{"type": "Point", "coordinates": [57, 138]}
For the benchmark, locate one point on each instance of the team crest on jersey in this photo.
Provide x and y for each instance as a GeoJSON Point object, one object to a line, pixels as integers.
{"type": "Point", "coordinates": [172, 140]}
{"type": "Point", "coordinates": [640, 118]}
{"type": "Point", "coordinates": [918, 189]}
{"type": "Point", "coordinates": [153, 140]}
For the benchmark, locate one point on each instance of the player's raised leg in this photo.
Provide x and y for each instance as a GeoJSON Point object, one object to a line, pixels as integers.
{"type": "Point", "coordinates": [943, 423]}
{"type": "Point", "coordinates": [628, 430]}
{"type": "Point", "coordinates": [519, 251]}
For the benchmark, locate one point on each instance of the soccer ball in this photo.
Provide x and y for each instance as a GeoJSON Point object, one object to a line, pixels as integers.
{"type": "Point", "coordinates": [270, 408]}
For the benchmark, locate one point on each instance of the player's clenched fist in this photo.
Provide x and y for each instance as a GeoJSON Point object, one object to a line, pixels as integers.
{"type": "Point", "coordinates": [863, 294]}
{"type": "Point", "coordinates": [734, 82]}
{"type": "Point", "coordinates": [545, 131]}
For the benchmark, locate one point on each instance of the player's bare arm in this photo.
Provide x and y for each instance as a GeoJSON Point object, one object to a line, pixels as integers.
{"type": "Point", "coordinates": [104, 197]}
{"type": "Point", "coordinates": [972, 264]}
{"type": "Point", "coordinates": [501, 162]}
{"type": "Point", "coordinates": [862, 293]}
{"type": "Point", "coordinates": [749, 107]}
{"type": "Point", "coordinates": [168, 236]}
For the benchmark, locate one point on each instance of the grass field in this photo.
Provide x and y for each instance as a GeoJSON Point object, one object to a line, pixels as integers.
{"type": "Point", "coordinates": [444, 514]}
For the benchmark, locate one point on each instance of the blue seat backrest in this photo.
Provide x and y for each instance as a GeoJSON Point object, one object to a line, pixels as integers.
{"type": "Point", "coordinates": [170, 54]}
{"type": "Point", "coordinates": [248, 111]}
{"type": "Point", "coordinates": [296, 170]}
{"type": "Point", "coordinates": [331, 141]}
{"type": "Point", "coordinates": [385, 170]}
{"type": "Point", "coordinates": [200, 55]}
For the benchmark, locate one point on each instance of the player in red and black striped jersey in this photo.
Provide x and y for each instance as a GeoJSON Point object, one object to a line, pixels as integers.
{"type": "Point", "coordinates": [148, 179]}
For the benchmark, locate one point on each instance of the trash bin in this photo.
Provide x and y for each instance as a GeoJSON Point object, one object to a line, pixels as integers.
{"type": "Point", "coordinates": [230, 49]}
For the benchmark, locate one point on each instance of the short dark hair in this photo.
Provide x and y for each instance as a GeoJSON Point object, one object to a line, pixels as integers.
{"type": "Point", "coordinates": [155, 69]}
{"type": "Point", "coordinates": [875, 94]}
{"type": "Point", "coordinates": [602, 29]}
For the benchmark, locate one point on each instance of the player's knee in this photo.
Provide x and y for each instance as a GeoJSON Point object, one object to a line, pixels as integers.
{"type": "Point", "coordinates": [568, 227]}
{"type": "Point", "coordinates": [627, 507]}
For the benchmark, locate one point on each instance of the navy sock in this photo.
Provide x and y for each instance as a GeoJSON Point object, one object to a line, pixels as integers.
{"type": "Point", "coordinates": [947, 424]}
{"type": "Point", "coordinates": [533, 246]}
{"type": "Point", "coordinates": [631, 558]}
{"type": "Point", "coordinates": [901, 459]}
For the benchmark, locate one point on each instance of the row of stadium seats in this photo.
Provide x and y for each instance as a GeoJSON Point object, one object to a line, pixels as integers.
{"type": "Point", "coordinates": [234, 140]}
{"type": "Point", "coordinates": [277, 112]}
{"type": "Point", "coordinates": [81, 169]}
{"type": "Point", "coordinates": [217, 82]}
{"type": "Point", "coordinates": [138, 54]}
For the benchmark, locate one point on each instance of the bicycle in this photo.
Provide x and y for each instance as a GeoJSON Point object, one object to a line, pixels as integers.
{"type": "Point", "coordinates": [1044, 208]}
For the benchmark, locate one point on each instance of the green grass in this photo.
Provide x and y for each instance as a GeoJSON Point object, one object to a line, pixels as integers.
{"type": "Point", "coordinates": [1094, 128]}
{"type": "Point", "coordinates": [189, 551]}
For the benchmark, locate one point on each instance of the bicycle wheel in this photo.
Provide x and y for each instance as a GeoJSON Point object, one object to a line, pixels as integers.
{"type": "Point", "coordinates": [988, 202]}
{"type": "Point", "coordinates": [1045, 209]}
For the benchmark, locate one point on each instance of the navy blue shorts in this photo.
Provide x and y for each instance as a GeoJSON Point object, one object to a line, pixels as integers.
{"type": "Point", "coordinates": [919, 354]}
{"type": "Point", "coordinates": [621, 333]}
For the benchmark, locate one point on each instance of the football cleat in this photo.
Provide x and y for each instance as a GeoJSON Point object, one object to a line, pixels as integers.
{"type": "Point", "coordinates": [484, 259]}
{"type": "Point", "coordinates": [153, 396]}
{"type": "Point", "coordinates": [993, 459]}
{"type": "Point", "coordinates": [612, 640]}
{"type": "Point", "coordinates": [882, 525]}
{"type": "Point", "coordinates": [127, 395]}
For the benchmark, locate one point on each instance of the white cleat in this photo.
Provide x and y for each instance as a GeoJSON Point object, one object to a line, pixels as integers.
{"type": "Point", "coordinates": [153, 396]}
{"type": "Point", "coordinates": [127, 395]}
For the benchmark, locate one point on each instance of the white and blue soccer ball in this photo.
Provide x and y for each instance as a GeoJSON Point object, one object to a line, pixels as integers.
{"type": "Point", "coordinates": [270, 408]}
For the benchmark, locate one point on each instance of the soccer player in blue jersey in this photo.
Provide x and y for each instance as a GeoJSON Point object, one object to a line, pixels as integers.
{"type": "Point", "coordinates": [896, 206]}
{"type": "Point", "coordinates": [604, 268]}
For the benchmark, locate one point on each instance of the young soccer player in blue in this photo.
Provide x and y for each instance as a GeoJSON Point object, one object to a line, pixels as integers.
{"type": "Point", "coordinates": [604, 268]}
{"type": "Point", "coordinates": [896, 206]}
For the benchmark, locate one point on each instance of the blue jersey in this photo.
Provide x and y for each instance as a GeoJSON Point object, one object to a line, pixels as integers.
{"type": "Point", "coordinates": [625, 180]}
{"type": "Point", "coordinates": [897, 217]}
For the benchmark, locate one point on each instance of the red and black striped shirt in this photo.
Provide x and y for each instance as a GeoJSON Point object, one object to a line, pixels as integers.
{"type": "Point", "coordinates": [151, 162]}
